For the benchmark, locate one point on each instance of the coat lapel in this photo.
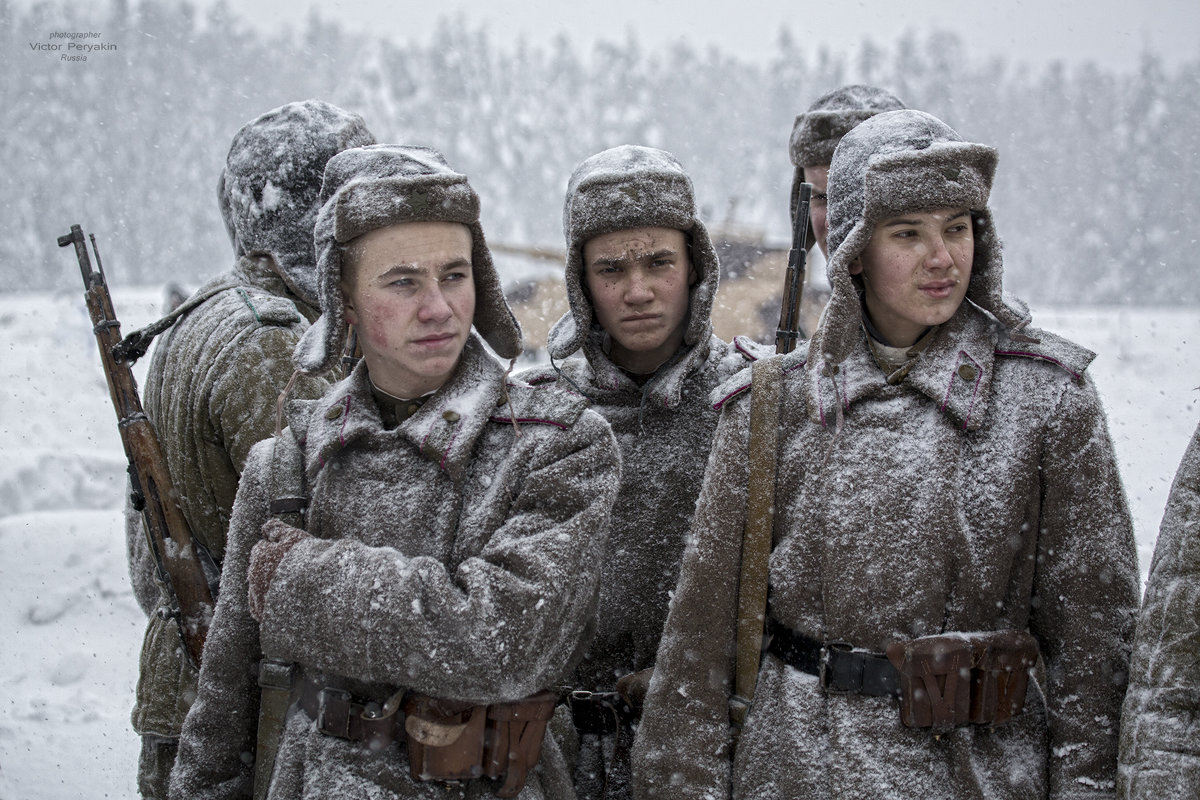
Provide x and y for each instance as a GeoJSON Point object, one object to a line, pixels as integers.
{"type": "Point", "coordinates": [444, 430]}
{"type": "Point", "coordinates": [955, 371]}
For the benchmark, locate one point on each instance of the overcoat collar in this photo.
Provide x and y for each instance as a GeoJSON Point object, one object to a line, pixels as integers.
{"type": "Point", "coordinates": [663, 390]}
{"type": "Point", "coordinates": [955, 371]}
{"type": "Point", "coordinates": [444, 430]}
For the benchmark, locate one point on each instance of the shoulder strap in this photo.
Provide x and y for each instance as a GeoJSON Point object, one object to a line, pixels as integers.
{"type": "Point", "coordinates": [289, 500]}
{"type": "Point", "coordinates": [766, 376]}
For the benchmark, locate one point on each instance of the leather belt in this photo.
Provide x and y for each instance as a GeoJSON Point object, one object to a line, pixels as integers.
{"type": "Point", "coordinates": [840, 667]}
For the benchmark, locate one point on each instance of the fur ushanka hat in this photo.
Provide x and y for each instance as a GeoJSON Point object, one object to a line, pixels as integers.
{"type": "Point", "coordinates": [895, 163]}
{"type": "Point", "coordinates": [816, 132]}
{"type": "Point", "coordinates": [372, 187]}
{"type": "Point", "coordinates": [270, 189]}
{"type": "Point", "coordinates": [631, 186]}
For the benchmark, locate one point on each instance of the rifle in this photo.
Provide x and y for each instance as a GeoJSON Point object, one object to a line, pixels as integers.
{"type": "Point", "coordinates": [763, 454]}
{"type": "Point", "coordinates": [793, 284]}
{"type": "Point", "coordinates": [177, 554]}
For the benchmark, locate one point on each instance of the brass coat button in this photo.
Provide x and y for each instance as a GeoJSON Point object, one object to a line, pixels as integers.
{"type": "Point", "coordinates": [967, 372]}
{"type": "Point", "coordinates": [334, 412]}
{"type": "Point", "coordinates": [451, 416]}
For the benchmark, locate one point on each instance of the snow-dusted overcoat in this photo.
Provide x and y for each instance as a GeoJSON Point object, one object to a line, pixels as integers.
{"type": "Point", "coordinates": [665, 426]}
{"type": "Point", "coordinates": [1160, 740]}
{"type": "Point", "coordinates": [449, 556]}
{"type": "Point", "coordinates": [215, 374]}
{"type": "Point", "coordinates": [211, 392]}
{"type": "Point", "coordinates": [978, 493]}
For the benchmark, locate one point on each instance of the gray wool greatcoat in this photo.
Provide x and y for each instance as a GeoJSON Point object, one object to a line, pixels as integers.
{"type": "Point", "coordinates": [1160, 732]}
{"type": "Point", "coordinates": [665, 430]}
{"type": "Point", "coordinates": [979, 494]}
{"type": "Point", "coordinates": [210, 392]}
{"type": "Point", "coordinates": [450, 555]}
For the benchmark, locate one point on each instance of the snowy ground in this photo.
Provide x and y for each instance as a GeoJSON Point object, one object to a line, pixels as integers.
{"type": "Point", "coordinates": [71, 629]}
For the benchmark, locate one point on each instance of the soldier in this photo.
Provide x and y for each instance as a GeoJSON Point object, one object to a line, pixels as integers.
{"type": "Point", "coordinates": [641, 276]}
{"type": "Point", "coordinates": [453, 524]}
{"type": "Point", "coordinates": [213, 380]}
{"type": "Point", "coordinates": [1160, 752]}
{"type": "Point", "coordinates": [816, 134]}
{"type": "Point", "coordinates": [947, 510]}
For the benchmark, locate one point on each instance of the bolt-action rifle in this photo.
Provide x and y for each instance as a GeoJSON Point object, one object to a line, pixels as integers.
{"type": "Point", "coordinates": [790, 330]}
{"type": "Point", "coordinates": [177, 554]}
{"type": "Point", "coordinates": [763, 453]}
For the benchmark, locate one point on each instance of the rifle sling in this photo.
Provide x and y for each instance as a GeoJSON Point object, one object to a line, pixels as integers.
{"type": "Point", "coordinates": [136, 343]}
{"type": "Point", "coordinates": [766, 376]}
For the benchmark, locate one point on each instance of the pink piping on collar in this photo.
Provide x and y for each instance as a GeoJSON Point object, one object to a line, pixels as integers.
{"type": "Point", "coordinates": [1026, 354]}
{"type": "Point", "coordinates": [717, 405]}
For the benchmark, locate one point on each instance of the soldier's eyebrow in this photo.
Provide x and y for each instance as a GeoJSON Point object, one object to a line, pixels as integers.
{"type": "Point", "coordinates": [458, 263]}
{"type": "Point", "coordinates": [905, 221]}
{"type": "Point", "coordinates": [662, 252]}
{"type": "Point", "coordinates": [404, 270]}
{"type": "Point", "coordinates": [401, 269]}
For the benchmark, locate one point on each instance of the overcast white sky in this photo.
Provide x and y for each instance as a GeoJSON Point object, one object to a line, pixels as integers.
{"type": "Point", "coordinates": [1034, 31]}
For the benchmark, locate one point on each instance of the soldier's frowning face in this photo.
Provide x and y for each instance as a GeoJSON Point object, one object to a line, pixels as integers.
{"type": "Point", "coordinates": [410, 294]}
{"type": "Point", "coordinates": [639, 280]}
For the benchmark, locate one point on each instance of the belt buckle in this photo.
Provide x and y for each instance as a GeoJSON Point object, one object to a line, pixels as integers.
{"type": "Point", "coordinates": [825, 671]}
{"type": "Point", "coordinates": [330, 720]}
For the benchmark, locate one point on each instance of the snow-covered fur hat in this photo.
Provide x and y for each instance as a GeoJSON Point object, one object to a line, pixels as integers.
{"type": "Point", "coordinates": [631, 187]}
{"type": "Point", "coordinates": [269, 191]}
{"type": "Point", "coordinates": [816, 132]}
{"type": "Point", "coordinates": [895, 163]}
{"type": "Point", "coordinates": [372, 187]}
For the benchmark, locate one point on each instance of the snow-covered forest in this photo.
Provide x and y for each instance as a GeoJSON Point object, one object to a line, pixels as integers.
{"type": "Point", "coordinates": [1096, 191]}
{"type": "Point", "coordinates": [1096, 197]}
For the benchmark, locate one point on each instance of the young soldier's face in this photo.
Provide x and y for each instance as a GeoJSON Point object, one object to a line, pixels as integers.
{"type": "Point", "coordinates": [639, 280]}
{"type": "Point", "coordinates": [915, 271]}
{"type": "Point", "coordinates": [818, 207]}
{"type": "Point", "coordinates": [411, 297]}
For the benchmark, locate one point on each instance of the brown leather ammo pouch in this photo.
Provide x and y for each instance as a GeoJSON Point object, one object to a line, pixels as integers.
{"type": "Point", "coordinates": [513, 739]}
{"type": "Point", "coordinates": [1001, 675]}
{"type": "Point", "coordinates": [445, 740]}
{"type": "Point", "coordinates": [960, 679]}
{"type": "Point", "coordinates": [935, 680]}
{"type": "Point", "coordinates": [449, 742]}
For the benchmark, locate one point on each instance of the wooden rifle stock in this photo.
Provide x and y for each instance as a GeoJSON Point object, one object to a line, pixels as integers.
{"type": "Point", "coordinates": [789, 330]}
{"type": "Point", "coordinates": [176, 553]}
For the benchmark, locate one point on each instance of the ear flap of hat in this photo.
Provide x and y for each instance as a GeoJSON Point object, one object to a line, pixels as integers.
{"type": "Point", "coordinates": [494, 318]}
{"type": "Point", "coordinates": [322, 344]}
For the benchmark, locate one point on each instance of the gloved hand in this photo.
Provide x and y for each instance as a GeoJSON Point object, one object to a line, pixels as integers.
{"type": "Point", "coordinates": [277, 539]}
